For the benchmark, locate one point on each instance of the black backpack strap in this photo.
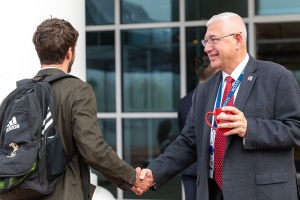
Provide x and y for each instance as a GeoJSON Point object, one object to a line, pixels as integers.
{"type": "Point", "coordinates": [43, 76]}
{"type": "Point", "coordinates": [69, 157]}
{"type": "Point", "coordinates": [84, 170]}
{"type": "Point", "coordinates": [57, 76]}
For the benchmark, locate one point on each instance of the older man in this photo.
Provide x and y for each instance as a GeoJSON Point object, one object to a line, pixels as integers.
{"type": "Point", "coordinates": [255, 159]}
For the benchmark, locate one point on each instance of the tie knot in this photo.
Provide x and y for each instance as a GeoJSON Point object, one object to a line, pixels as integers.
{"type": "Point", "coordinates": [229, 79]}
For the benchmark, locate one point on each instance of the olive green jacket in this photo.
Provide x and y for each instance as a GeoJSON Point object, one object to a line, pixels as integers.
{"type": "Point", "coordinates": [77, 122]}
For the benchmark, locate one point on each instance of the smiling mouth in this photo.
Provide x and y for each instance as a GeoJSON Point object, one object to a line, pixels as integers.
{"type": "Point", "coordinates": [213, 56]}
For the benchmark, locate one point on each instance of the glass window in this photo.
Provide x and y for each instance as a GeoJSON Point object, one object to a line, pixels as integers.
{"type": "Point", "coordinates": [144, 140]}
{"type": "Point", "coordinates": [100, 72]}
{"type": "Point", "coordinates": [280, 43]}
{"type": "Point", "coordinates": [99, 12]}
{"type": "Point", "coordinates": [150, 70]}
{"type": "Point", "coordinates": [147, 11]}
{"type": "Point", "coordinates": [194, 48]}
{"type": "Point", "coordinates": [205, 9]}
{"type": "Point", "coordinates": [108, 128]}
{"type": "Point", "coordinates": [265, 7]}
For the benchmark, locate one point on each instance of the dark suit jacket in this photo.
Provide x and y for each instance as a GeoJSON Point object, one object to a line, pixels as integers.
{"type": "Point", "coordinates": [183, 110]}
{"type": "Point", "coordinates": [262, 168]}
{"type": "Point", "coordinates": [184, 107]}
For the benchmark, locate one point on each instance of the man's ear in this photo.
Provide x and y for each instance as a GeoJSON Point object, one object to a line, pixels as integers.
{"type": "Point", "coordinates": [239, 40]}
{"type": "Point", "coordinates": [69, 54]}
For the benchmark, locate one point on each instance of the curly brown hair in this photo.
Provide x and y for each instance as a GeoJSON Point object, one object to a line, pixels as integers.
{"type": "Point", "coordinates": [52, 39]}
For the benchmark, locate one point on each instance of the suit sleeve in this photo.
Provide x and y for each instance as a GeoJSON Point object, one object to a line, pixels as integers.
{"type": "Point", "coordinates": [180, 154]}
{"type": "Point", "coordinates": [91, 144]}
{"type": "Point", "coordinates": [280, 128]}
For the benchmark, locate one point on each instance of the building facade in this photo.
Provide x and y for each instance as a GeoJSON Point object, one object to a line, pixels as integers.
{"type": "Point", "coordinates": [139, 57]}
{"type": "Point", "coordinates": [140, 62]}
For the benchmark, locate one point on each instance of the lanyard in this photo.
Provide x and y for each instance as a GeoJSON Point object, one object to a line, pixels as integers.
{"type": "Point", "coordinates": [233, 89]}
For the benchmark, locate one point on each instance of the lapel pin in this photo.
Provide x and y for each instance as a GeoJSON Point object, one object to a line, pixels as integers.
{"type": "Point", "coordinates": [250, 78]}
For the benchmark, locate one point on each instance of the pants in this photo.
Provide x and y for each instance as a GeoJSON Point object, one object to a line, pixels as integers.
{"type": "Point", "coordinates": [190, 187]}
{"type": "Point", "coordinates": [215, 193]}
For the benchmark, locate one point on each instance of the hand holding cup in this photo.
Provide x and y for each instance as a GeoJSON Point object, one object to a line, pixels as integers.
{"type": "Point", "coordinates": [215, 113]}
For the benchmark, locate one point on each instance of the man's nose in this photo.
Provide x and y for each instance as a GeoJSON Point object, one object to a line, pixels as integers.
{"type": "Point", "coordinates": [208, 47]}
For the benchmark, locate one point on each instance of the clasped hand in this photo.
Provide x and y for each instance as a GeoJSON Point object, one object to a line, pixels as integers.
{"type": "Point", "coordinates": [237, 121]}
{"type": "Point", "coordinates": [144, 180]}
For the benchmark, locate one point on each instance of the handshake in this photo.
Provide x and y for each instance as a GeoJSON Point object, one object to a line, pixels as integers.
{"type": "Point", "coordinates": [144, 180]}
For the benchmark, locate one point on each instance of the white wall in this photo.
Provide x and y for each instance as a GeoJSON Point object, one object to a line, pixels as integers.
{"type": "Point", "coordinates": [18, 21]}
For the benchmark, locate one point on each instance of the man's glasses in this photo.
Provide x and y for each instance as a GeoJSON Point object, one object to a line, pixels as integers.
{"type": "Point", "coordinates": [214, 39]}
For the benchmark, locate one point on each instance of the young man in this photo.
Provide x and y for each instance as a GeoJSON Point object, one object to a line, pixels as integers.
{"type": "Point", "coordinates": [75, 103]}
{"type": "Point", "coordinates": [255, 159]}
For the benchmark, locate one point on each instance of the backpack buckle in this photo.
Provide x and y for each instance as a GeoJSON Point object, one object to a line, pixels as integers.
{"type": "Point", "coordinates": [43, 76]}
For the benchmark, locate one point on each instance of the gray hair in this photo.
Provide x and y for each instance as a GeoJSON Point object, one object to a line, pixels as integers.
{"type": "Point", "coordinates": [232, 22]}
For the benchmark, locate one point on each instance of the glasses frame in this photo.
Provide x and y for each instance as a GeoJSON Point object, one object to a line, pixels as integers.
{"type": "Point", "coordinates": [214, 39]}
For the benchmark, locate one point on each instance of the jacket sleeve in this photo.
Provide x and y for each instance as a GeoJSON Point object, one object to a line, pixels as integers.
{"type": "Point", "coordinates": [180, 154]}
{"type": "Point", "coordinates": [91, 144]}
{"type": "Point", "coordinates": [276, 122]}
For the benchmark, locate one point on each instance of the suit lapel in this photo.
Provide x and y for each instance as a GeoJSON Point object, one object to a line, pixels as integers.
{"type": "Point", "coordinates": [245, 87]}
{"type": "Point", "coordinates": [212, 90]}
{"type": "Point", "coordinates": [246, 84]}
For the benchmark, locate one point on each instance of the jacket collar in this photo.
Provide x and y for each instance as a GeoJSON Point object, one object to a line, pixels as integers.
{"type": "Point", "coordinates": [48, 71]}
{"type": "Point", "coordinates": [247, 83]}
{"type": "Point", "coordinates": [245, 88]}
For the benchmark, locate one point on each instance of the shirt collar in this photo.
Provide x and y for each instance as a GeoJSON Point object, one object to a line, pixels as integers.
{"type": "Point", "coordinates": [51, 67]}
{"type": "Point", "coordinates": [238, 70]}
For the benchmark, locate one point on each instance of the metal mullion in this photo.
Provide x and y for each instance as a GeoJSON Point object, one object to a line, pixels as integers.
{"type": "Point", "coordinates": [138, 115]}
{"type": "Point", "coordinates": [150, 115]}
{"type": "Point", "coordinates": [106, 115]}
{"type": "Point", "coordinates": [251, 28]}
{"type": "Point", "coordinates": [133, 26]}
{"type": "Point", "coordinates": [100, 28]}
{"type": "Point", "coordinates": [149, 25]}
{"type": "Point", "coordinates": [195, 23]}
{"type": "Point", "coordinates": [182, 49]}
{"type": "Point", "coordinates": [276, 18]}
{"type": "Point", "coordinates": [119, 136]}
{"type": "Point", "coordinates": [145, 26]}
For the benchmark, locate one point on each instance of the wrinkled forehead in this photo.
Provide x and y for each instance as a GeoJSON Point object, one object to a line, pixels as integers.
{"type": "Point", "coordinates": [215, 29]}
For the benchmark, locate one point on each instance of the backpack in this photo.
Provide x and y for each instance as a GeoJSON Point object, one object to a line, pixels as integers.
{"type": "Point", "coordinates": [31, 151]}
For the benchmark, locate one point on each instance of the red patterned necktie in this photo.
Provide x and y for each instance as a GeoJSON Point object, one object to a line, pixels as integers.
{"type": "Point", "coordinates": [220, 139]}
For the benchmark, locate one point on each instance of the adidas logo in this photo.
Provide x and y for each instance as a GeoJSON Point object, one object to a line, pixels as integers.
{"type": "Point", "coordinates": [48, 121]}
{"type": "Point", "coordinates": [12, 124]}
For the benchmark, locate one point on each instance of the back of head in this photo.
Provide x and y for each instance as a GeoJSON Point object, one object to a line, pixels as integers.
{"type": "Point", "coordinates": [203, 68]}
{"type": "Point", "coordinates": [52, 39]}
{"type": "Point", "coordinates": [232, 23]}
